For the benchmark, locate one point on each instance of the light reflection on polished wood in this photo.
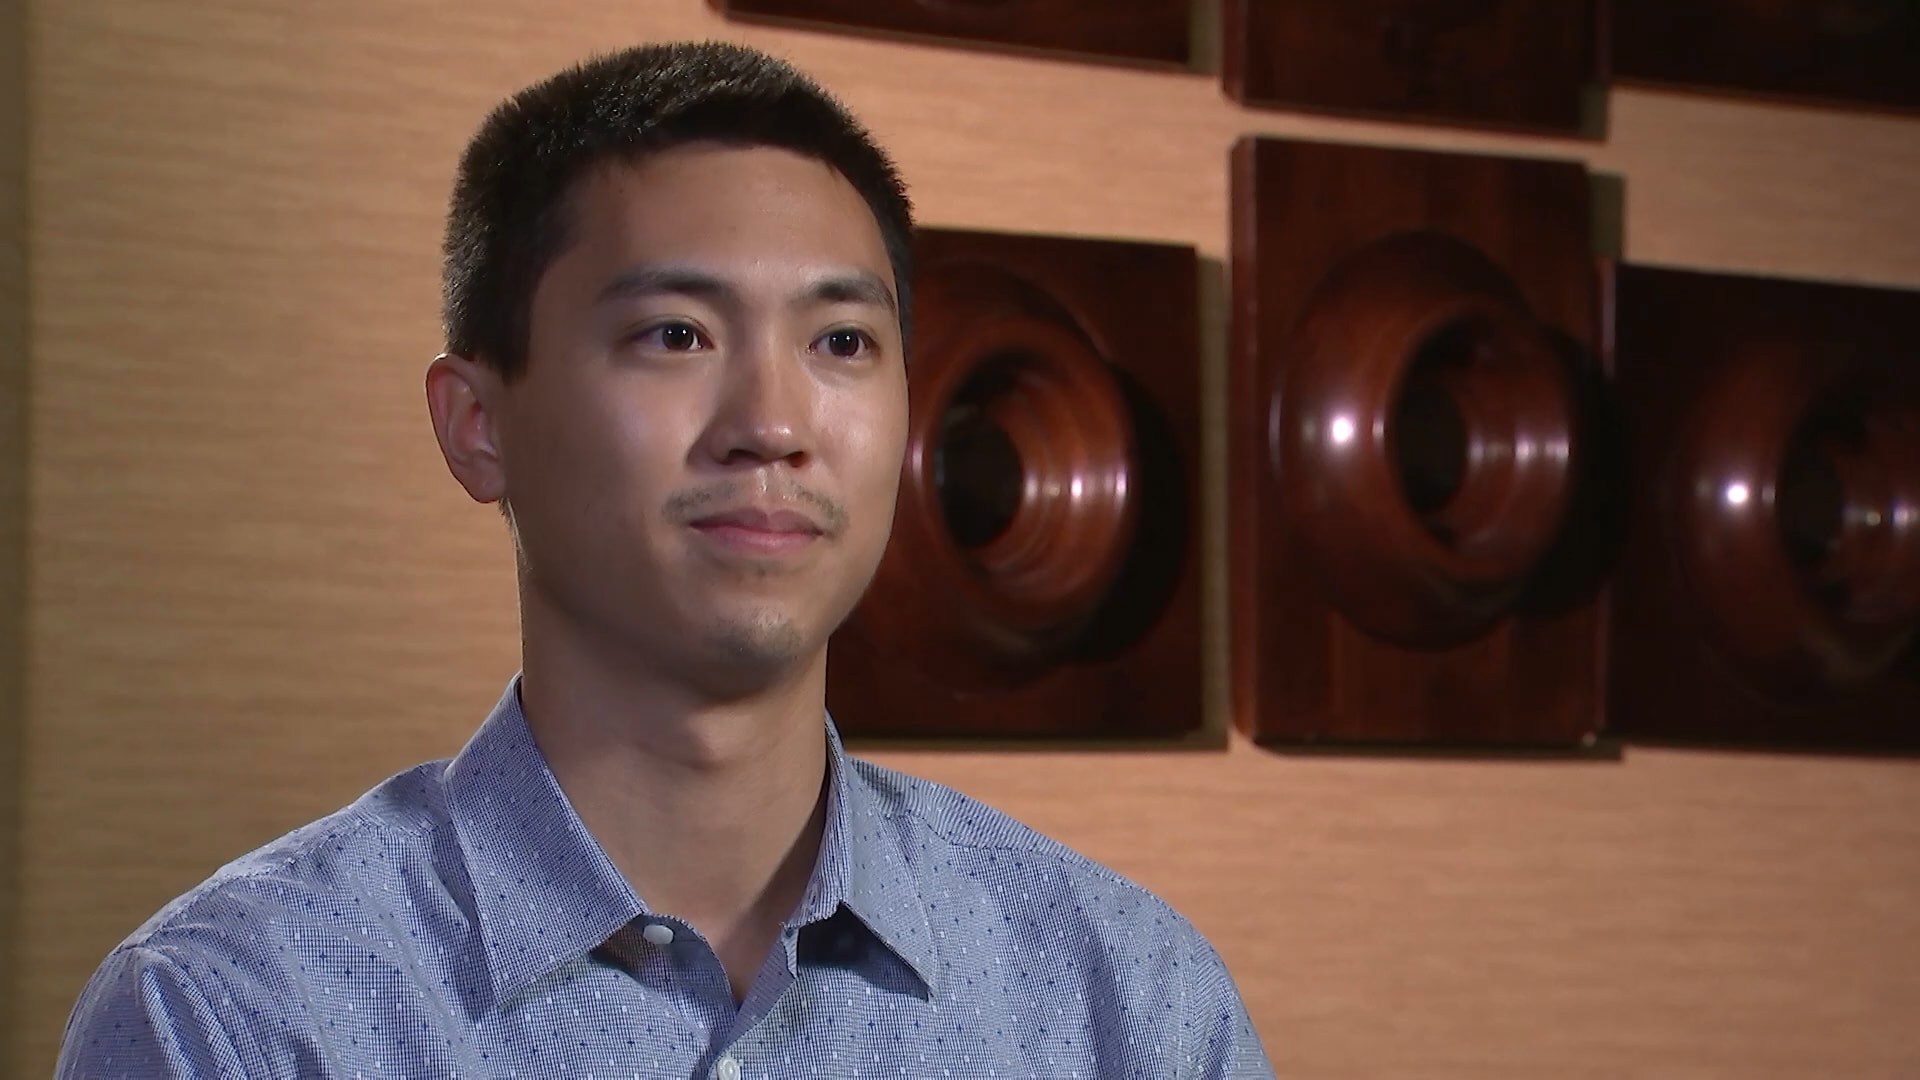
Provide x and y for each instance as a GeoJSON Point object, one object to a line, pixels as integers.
{"type": "Point", "coordinates": [1419, 339]}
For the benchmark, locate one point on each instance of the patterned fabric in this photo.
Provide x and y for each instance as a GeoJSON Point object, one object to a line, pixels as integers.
{"type": "Point", "coordinates": [458, 921]}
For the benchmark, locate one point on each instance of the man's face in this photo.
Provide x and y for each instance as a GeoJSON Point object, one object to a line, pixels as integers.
{"type": "Point", "coordinates": [703, 453]}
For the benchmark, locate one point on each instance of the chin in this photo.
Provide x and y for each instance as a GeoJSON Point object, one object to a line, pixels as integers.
{"type": "Point", "coordinates": [769, 639]}
{"type": "Point", "coordinates": [738, 658]}
{"type": "Point", "coordinates": [760, 645]}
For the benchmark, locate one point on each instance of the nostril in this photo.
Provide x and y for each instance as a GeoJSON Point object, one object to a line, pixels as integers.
{"type": "Point", "coordinates": [755, 456]}
{"type": "Point", "coordinates": [762, 444]}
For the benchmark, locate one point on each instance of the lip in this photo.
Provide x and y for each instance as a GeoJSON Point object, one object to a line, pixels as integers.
{"type": "Point", "coordinates": [760, 532]}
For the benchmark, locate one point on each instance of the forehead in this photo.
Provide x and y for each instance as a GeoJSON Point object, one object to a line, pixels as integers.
{"type": "Point", "coordinates": [739, 211]}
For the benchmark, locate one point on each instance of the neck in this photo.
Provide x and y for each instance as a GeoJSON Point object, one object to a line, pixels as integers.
{"type": "Point", "coordinates": [712, 810]}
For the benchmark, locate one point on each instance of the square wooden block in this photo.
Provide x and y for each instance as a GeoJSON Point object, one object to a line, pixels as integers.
{"type": "Point", "coordinates": [1148, 31]}
{"type": "Point", "coordinates": [1769, 593]}
{"type": "Point", "coordinates": [1043, 579]}
{"type": "Point", "coordinates": [1519, 64]}
{"type": "Point", "coordinates": [1852, 52]}
{"type": "Point", "coordinates": [1414, 456]}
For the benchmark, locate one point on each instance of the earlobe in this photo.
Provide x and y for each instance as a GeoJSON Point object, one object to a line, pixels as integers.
{"type": "Point", "coordinates": [462, 398]}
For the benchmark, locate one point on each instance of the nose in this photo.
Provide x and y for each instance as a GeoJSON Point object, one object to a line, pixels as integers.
{"type": "Point", "coordinates": [764, 409]}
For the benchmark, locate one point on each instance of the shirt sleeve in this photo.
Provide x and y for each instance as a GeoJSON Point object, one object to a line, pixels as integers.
{"type": "Point", "coordinates": [142, 1015]}
{"type": "Point", "coordinates": [1220, 1042]}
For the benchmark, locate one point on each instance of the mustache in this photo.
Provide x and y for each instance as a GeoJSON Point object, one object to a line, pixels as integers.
{"type": "Point", "coordinates": [685, 507]}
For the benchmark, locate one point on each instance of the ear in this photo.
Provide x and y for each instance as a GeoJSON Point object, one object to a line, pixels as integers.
{"type": "Point", "coordinates": [464, 397]}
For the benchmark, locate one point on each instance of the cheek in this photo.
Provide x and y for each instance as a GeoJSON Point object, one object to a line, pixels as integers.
{"type": "Point", "coordinates": [645, 443]}
{"type": "Point", "coordinates": [600, 456]}
{"type": "Point", "coordinates": [875, 437]}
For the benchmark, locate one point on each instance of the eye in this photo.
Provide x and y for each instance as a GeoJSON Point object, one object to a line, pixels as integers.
{"type": "Point", "coordinates": [845, 344]}
{"type": "Point", "coordinates": [672, 337]}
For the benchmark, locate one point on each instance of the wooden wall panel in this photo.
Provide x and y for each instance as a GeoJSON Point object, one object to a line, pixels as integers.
{"type": "Point", "coordinates": [13, 477]}
{"type": "Point", "coordinates": [1524, 66]}
{"type": "Point", "coordinates": [1768, 590]}
{"type": "Point", "coordinates": [254, 592]}
{"type": "Point", "coordinates": [1069, 615]}
{"type": "Point", "coordinates": [1144, 31]}
{"type": "Point", "coordinates": [1412, 342]}
{"type": "Point", "coordinates": [1850, 54]}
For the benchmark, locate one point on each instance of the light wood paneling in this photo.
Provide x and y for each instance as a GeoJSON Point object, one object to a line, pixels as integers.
{"type": "Point", "coordinates": [253, 591]}
{"type": "Point", "coordinates": [13, 476]}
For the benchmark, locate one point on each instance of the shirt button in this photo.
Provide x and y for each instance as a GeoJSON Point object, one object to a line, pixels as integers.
{"type": "Point", "coordinates": [662, 934]}
{"type": "Point", "coordinates": [727, 1069]}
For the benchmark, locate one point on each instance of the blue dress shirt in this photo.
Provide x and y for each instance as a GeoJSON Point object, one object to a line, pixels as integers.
{"type": "Point", "coordinates": [459, 921]}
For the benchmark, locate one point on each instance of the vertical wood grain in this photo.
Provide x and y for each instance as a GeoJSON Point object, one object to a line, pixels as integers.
{"type": "Point", "coordinates": [13, 480]}
{"type": "Point", "coordinates": [253, 592]}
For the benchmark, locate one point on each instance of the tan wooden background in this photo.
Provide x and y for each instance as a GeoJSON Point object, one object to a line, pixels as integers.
{"type": "Point", "coordinates": [253, 592]}
{"type": "Point", "coordinates": [13, 470]}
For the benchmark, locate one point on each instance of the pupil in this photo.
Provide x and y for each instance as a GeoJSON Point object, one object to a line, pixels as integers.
{"type": "Point", "coordinates": [678, 337]}
{"type": "Point", "coordinates": [843, 343]}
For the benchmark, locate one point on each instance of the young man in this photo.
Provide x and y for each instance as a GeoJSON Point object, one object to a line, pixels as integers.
{"type": "Point", "coordinates": [676, 299]}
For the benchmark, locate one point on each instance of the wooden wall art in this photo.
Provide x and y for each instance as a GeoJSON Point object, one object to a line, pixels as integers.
{"type": "Point", "coordinates": [1147, 31]}
{"type": "Point", "coordinates": [1770, 588]}
{"type": "Point", "coordinates": [1043, 576]}
{"type": "Point", "coordinates": [1857, 52]}
{"type": "Point", "coordinates": [1411, 376]}
{"type": "Point", "coordinates": [1521, 64]}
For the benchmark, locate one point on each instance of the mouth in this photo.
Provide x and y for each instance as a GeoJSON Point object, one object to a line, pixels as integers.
{"type": "Point", "coordinates": [760, 532]}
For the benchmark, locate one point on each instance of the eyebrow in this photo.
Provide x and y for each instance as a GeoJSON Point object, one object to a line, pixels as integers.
{"type": "Point", "coordinates": [841, 287]}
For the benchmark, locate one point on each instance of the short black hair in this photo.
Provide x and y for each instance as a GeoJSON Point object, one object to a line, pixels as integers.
{"type": "Point", "coordinates": [508, 217]}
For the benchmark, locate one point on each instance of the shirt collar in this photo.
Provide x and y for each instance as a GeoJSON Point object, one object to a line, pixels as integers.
{"type": "Point", "coordinates": [864, 867]}
{"type": "Point", "coordinates": [545, 893]}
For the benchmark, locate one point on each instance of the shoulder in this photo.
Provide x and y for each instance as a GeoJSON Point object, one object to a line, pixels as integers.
{"type": "Point", "coordinates": [145, 1013]}
{"type": "Point", "coordinates": [931, 815]}
{"type": "Point", "coordinates": [1045, 924]}
{"type": "Point", "coordinates": [307, 877]}
{"type": "Point", "coordinates": [963, 847]}
{"type": "Point", "coordinates": [231, 954]}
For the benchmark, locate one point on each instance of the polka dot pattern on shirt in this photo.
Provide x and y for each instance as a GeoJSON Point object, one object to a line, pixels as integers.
{"type": "Point", "coordinates": [459, 921]}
